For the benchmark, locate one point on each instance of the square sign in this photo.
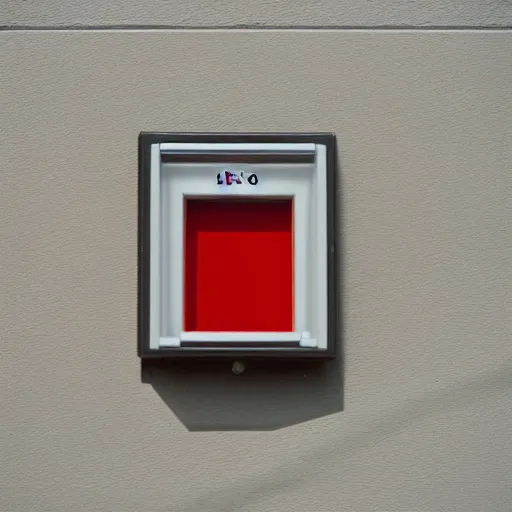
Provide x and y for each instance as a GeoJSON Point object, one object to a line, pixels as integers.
{"type": "Point", "coordinates": [237, 245]}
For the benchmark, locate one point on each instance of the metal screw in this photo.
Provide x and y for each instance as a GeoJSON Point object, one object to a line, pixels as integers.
{"type": "Point", "coordinates": [238, 367]}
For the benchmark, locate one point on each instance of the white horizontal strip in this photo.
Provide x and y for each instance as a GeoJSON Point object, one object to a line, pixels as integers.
{"type": "Point", "coordinates": [239, 337]}
{"type": "Point", "coordinates": [185, 147]}
{"type": "Point", "coordinates": [236, 337]}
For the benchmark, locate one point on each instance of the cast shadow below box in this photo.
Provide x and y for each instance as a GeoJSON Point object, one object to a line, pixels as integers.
{"type": "Point", "coordinates": [207, 396]}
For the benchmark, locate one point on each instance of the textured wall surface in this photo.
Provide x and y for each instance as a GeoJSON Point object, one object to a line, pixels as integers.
{"type": "Point", "coordinates": [200, 13]}
{"type": "Point", "coordinates": [425, 142]}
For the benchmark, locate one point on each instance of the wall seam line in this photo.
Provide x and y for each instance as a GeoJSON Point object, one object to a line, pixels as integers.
{"type": "Point", "coordinates": [129, 27]}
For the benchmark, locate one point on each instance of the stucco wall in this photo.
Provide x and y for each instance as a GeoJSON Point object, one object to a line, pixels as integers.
{"type": "Point", "coordinates": [200, 13]}
{"type": "Point", "coordinates": [420, 418]}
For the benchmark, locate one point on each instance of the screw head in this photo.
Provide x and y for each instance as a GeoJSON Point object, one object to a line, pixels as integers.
{"type": "Point", "coordinates": [238, 367]}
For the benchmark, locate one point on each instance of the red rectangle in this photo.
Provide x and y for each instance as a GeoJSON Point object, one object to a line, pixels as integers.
{"type": "Point", "coordinates": [239, 265]}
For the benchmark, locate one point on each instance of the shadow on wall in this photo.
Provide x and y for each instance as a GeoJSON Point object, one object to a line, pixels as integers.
{"type": "Point", "coordinates": [207, 396]}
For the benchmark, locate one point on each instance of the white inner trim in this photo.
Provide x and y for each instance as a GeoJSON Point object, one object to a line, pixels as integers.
{"type": "Point", "coordinates": [301, 228]}
{"type": "Point", "coordinates": [231, 337]}
{"type": "Point", "coordinates": [180, 183]}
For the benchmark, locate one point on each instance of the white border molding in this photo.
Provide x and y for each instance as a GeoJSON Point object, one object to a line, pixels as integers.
{"type": "Point", "coordinates": [178, 147]}
{"type": "Point", "coordinates": [154, 286]}
{"type": "Point", "coordinates": [321, 245]}
{"type": "Point", "coordinates": [167, 196]}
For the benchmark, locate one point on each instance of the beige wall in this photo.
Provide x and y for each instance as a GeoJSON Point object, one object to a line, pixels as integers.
{"type": "Point", "coordinates": [423, 418]}
{"type": "Point", "coordinates": [262, 13]}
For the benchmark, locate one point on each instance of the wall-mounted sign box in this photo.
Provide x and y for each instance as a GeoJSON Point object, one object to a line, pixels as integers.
{"type": "Point", "coordinates": [236, 245]}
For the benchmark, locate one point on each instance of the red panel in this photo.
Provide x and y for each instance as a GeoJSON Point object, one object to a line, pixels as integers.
{"type": "Point", "coordinates": [238, 266]}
